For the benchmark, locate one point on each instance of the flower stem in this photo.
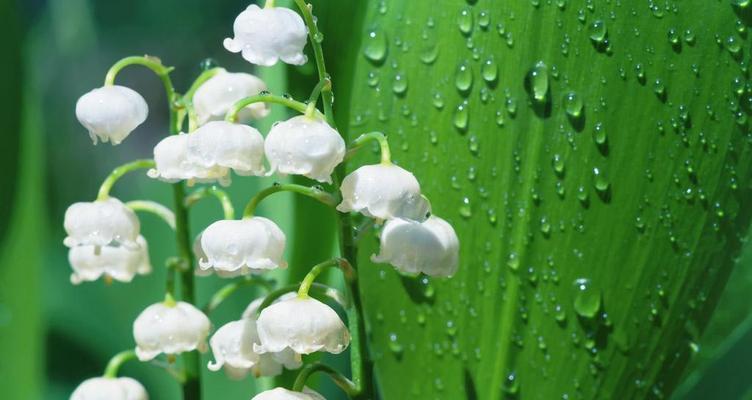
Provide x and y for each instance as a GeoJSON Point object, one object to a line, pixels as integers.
{"type": "Point", "coordinates": [153, 63]}
{"type": "Point", "coordinates": [320, 290]}
{"type": "Point", "coordinates": [113, 366]}
{"type": "Point", "coordinates": [313, 192]}
{"type": "Point", "coordinates": [226, 291]}
{"type": "Point", "coordinates": [232, 113]}
{"type": "Point", "coordinates": [117, 173]}
{"type": "Point", "coordinates": [155, 208]}
{"type": "Point", "coordinates": [314, 97]}
{"type": "Point", "coordinates": [317, 269]}
{"type": "Point", "coordinates": [386, 154]}
{"type": "Point", "coordinates": [315, 37]}
{"type": "Point", "coordinates": [221, 195]}
{"type": "Point", "coordinates": [345, 384]}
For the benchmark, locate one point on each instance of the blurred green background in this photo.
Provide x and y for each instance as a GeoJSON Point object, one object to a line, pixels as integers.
{"type": "Point", "coordinates": [53, 334]}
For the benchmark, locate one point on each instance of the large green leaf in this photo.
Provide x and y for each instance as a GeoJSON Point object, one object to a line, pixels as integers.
{"type": "Point", "coordinates": [595, 242]}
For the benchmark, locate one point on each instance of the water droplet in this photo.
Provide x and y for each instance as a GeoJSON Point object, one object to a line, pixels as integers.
{"type": "Point", "coordinates": [573, 104]}
{"type": "Point", "coordinates": [399, 85]}
{"type": "Point", "coordinates": [659, 88]}
{"type": "Point", "coordinates": [733, 45]}
{"type": "Point", "coordinates": [394, 345]}
{"type": "Point", "coordinates": [375, 47]}
{"type": "Point", "coordinates": [673, 36]}
{"type": "Point", "coordinates": [484, 19]}
{"type": "Point", "coordinates": [558, 165]}
{"type": "Point", "coordinates": [597, 31]}
{"type": "Point", "coordinates": [511, 385]}
{"type": "Point", "coordinates": [600, 182]}
{"type": "Point", "coordinates": [463, 77]}
{"type": "Point", "coordinates": [465, 21]}
{"type": "Point", "coordinates": [438, 100]}
{"type": "Point", "coordinates": [538, 76]}
{"type": "Point", "coordinates": [461, 116]}
{"type": "Point", "coordinates": [466, 210]}
{"type": "Point", "coordinates": [587, 302]}
{"type": "Point", "coordinates": [489, 70]}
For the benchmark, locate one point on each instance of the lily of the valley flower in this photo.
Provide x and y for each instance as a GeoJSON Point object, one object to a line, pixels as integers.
{"type": "Point", "coordinates": [250, 245]}
{"type": "Point", "coordinates": [266, 35]}
{"type": "Point", "coordinates": [305, 146]}
{"type": "Point", "coordinates": [214, 98]}
{"type": "Point", "coordinates": [302, 324]}
{"type": "Point", "coordinates": [173, 165]}
{"type": "Point", "coordinates": [221, 144]}
{"type": "Point", "coordinates": [111, 113]}
{"type": "Point", "coordinates": [232, 346]}
{"type": "Point", "coordinates": [101, 223]}
{"type": "Point", "coordinates": [430, 247]}
{"type": "Point", "coordinates": [110, 389]}
{"type": "Point", "coordinates": [170, 328]}
{"type": "Point", "coordinates": [284, 394]}
{"type": "Point", "coordinates": [118, 263]}
{"type": "Point", "coordinates": [383, 191]}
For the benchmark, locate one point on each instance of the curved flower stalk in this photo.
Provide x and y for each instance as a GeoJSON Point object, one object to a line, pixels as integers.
{"type": "Point", "coordinates": [111, 113]}
{"type": "Point", "coordinates": [266, 35]}
{"type": "Point", "coordinates": [118, 263]}
{"type": "Point", "coordinates": [170, 328]}
{"type": "Point", "coordinates": [105, 388]}
{"type": "Point", "coordinates": [214, 97]}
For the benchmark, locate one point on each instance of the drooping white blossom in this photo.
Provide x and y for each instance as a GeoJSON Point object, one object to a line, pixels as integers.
{"type": "Point", "coordinates": [266, 35]}
{"type": "Point", "coordinates": [170, 328]}
{"type": "Point", "coordinates": [232, 346]}
{"type": "Point", "coordinates": [214, 98]}
{"type": "Point", "coordinates": [110, 389]}
{"type": "Point", "coordinates": [304, 325]}
{"type": "Point", "coordinates": [305, 146]}
{"type": "Point", "coordinates": [173, 164]}
{"type": "Point", "coordinates": [383, 191]}
{"type": "Point", "coordinates": [119, 263]}
{"type": "Point", "coordinates": [101, 223]}
{"type": "Point", "coordinates": [430, 247]}
{"type": "Point", "coordinates": [221, 145]}
{"type": "Point", "coordinates": [250, 245]}
{"type": "Point", "coordinates": [111, 113]}
{"type": "Point", "coordinates": [284, 394]}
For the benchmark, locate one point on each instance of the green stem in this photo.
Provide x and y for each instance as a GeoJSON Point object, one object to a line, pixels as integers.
{"type": "Point", "coordinates": [386, 154]}
{"type": "Point", "coordinates": [226, 291]}
{"type": "Point", "coordinates": [314, 97]}
{"type": "Point", "coordinates": [320, 290]}
{"type": "Point", "coordinates": [345, 384]}
{"type": "Point", "coordinates": [232, 113]}
{"type": "Point", "coordinates": [219, 194]}
{"type": "Point", "coordinates": [153, 64]}
{"type": "Point", "coordinates": [269, 4]}
{"type": "Point", "coordinates": [315, 193]}
{"type": "Point", "coordinates": [315, 38]}
{"type": "Point", "coordinates": [117, 173]}
{"type": "Point", "coordinates": [317, 269]}
{"type": "Point", "coordinates": [113, 366]}
{"type": "Point", "coordinates": [200, 80]}
{"type": "Point", "coordinates": [155, 208]}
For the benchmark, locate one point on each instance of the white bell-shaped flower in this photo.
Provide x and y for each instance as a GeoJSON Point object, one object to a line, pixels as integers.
{"type": "Point", "coordinates": [232, 346]}
{"type": "Point", "coordinates": [101, 223]}
{"type": "Point", "coordinates": [111, 113]}
{"type": "Point", "coordinates": [173, 164]}
{"type": "Point", "coordinates": [305, 146]}
{"type": "Point", "coordinates": [304, 325]}
{"type": "Point", "coordinates": [171, 328]}
{"type": "Point", "coordinates": [110, 389]}
{"type": "Point", "coordinates": [118, 263]}
{"type": "Point", "coordinates": [430, 247]}
{"type": "Point", "coordinates": [214, 98]}
{"type": "Point", "coordinates": [284, 394]}
{"type": "Point", "coordinates": [250, 245]}
{"type": "Point", "coordinates": [383, 191]}
{"type": "Point", "coordinates": [221, 145]}
{"type": "Point", "coordinates": [265, 35]}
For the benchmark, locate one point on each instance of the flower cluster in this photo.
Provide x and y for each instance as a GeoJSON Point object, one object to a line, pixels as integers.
{"type": "Point", "coordinates": [277, 330]}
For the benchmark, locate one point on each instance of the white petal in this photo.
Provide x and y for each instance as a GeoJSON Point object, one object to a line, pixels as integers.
{"type": "Point", "coordinates": [110, 389]}
{"type": "Point", "coordinates": [384, 192]}
{"type": "Point", "coordinates": [430, 247]}
{"type": "Point", "coordinates": [220, 144]}
{"type": "Point", "coordinates": [304, 325]}
{"type": "Point", "coordinates": [111, 113]}
{"type": "Point", "coordinates": [119, 263]}
{"type": "Point", "coordinates": [161, 328]}
{"type": "Point", "coordinates": [214, 98]}
{"type": "Point", "coordinates": [267, 35]}
{"type": "Point", "coordinates": [101, 223]}
{"type": "Point", "coordinates": [305, 146]}
{"type": "Point", "coordinates": [173, 165]}
{"type": "Point", "coordinates": [284, 394]}
{"type": "Point", "coordinates": [243, 246]}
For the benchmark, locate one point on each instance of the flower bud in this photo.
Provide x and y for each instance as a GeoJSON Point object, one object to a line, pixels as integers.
{"type": "Point", "coordinates": [245, 246]}
{"type": "Point", "coordinates": [266, 35]}
{"type": "Point", "coordinates": [101, 223]}
{"type": "Point", "coordinates": [284, 394]}
{"type": "Point", "coordinates": [304, 146]}
{"type": "Point", "coordinates": [170, 328]}
{"type": "Point", "coordinates": [221, 145]}
{"type": "Point", "coordinates": [214, 98]}
{"type": "Point", "coordinates": [173, 164]}
{"type": "Point", "coordinates": [430, 247]}
{"type": "Point", "coordinates": [118, 263]}
{"type": "Point", "coordinates": [304, 325]}
{"type": "Point", "coordinates": [111, 113]}
{"type": "Point", "coordinates": [110, 389]}
{"type": "Point", "coordinates": [383, 191]}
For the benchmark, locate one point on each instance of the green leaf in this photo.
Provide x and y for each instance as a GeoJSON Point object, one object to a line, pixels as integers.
{"type": "Point", "coordinates": [595, 241]}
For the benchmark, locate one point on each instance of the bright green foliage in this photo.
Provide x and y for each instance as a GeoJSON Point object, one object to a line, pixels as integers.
{"type": "Point", "coordinates": [594, 158]}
